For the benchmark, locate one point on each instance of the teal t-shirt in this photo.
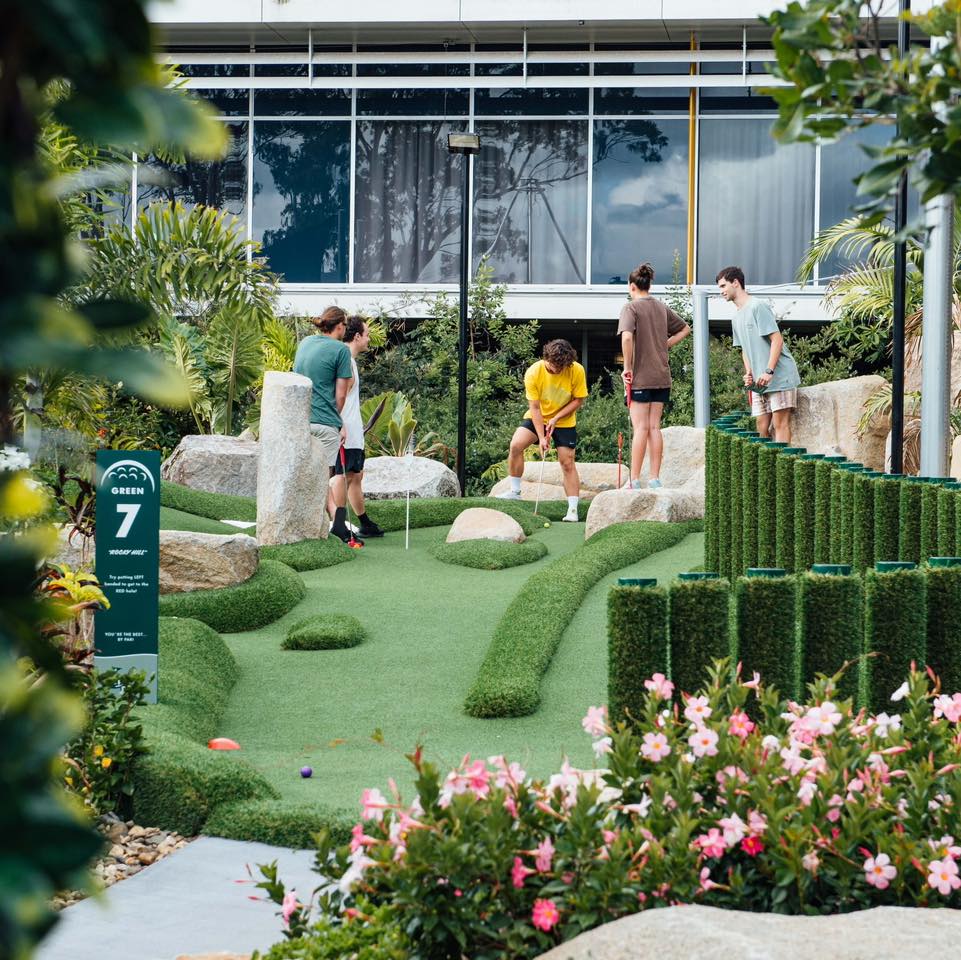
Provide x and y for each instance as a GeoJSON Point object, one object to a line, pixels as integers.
{"type": "Point", "coordinates": [753, 325]}
{"type": "Point", "coordinates": [324, 360]}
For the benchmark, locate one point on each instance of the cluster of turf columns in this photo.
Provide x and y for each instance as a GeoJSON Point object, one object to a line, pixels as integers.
{"type": "Point", "coordinates": [831, 629]}
{"type": "Point", "coordinates": [699, 629]}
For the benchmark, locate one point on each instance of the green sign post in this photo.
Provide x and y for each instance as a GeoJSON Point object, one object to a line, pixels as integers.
{"type": "Point", "coordinates": [128, 560]}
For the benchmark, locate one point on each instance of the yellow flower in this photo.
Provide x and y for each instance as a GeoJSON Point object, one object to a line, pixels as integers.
{"type": "Point", "coordinates": [98, 751]}
{"type": "Point", "coordinates": [21, 498]}
{"type": "Point", "coordinates": [106, 762]}
{"type": "Point", "coordinates": [69, 780]}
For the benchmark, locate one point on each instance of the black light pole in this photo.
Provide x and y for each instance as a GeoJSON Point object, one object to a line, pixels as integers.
{"type": "Point", "coordinates": [468, 144]}
{"type": "Point", "coordinates": [900, 282]}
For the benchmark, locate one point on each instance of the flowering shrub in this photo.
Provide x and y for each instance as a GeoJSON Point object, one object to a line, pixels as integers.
{"type": "Point", "coordinates": [808, 808]}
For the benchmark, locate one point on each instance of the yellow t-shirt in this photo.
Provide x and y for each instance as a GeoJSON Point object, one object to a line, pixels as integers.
{"type": "Point", "coordinates": [555, 390]}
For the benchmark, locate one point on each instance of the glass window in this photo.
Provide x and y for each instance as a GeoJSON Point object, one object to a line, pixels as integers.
{"type": "Point", "coordinates": [401, 101]}
{"type": "Point", "coordinates": [634, 100]}
{"type": "Point", "coordinates": [212, 69]}
{"type": "Point", "coordinates": [221, 183]}
{"type": "Point", "coordinates": [512, 101]}
{"type": "Point", "coordinates": [639, 208]}
{"type": "Point", "coordinates": [228, 103]}
{"type": "Point", "coordinates": [530, 200]}
{"type": "Point", "coordinates": [301, 198]}
{"type": "Point", "coordinates": [755, 201]}
{"type": "Point", "coordinates": [408, 196]}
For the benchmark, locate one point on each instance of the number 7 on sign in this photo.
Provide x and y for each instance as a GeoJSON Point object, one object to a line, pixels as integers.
{"type": "Point", "coordinates": [130, 511]}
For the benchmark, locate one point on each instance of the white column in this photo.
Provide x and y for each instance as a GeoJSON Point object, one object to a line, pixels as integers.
{"type": "Point", "coordinates": [702, 376]}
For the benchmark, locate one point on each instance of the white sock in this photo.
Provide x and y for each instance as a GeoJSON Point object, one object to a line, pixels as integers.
{"type": "Point", "coordinates": [572, 503]}
{"type": "Point", "coordinates": [515, 484]}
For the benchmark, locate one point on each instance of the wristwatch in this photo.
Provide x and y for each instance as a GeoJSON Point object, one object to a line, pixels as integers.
{"type": "Point", "coordinates": [769, 372]}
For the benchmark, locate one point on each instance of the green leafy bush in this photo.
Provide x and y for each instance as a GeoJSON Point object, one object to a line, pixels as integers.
{"type": "Point", "coordinates": [525, 639]}
{"type": "Point", "coordinates": [887, 522]}
{"type": "Point", "coordinates": [768, 504]}
{"type": "Point", "coordinates": [947, 517]}
{"type": "Point", "coordinates": [637, 645]}
{"type": "Point", "coordinates": [824, 474]}
{"type": "Point", "coordinates": [750, 508]}
{"type": "Point", "coordinates": [270, 593]}
{"type": "Point", "coordinates": [700, 629]}
{"type": "Point", "coordinates": [895, 628]}
{"type": "Point", "coordinates": [215, 506]}
{"type": "Point", "coordinates": [909, 513]}
{"type": "Point", "coordinates": [832, 629]}
{"type": "Point", "coordinates": [862, 539]}
{"type": "Point", "coordinates": [805, 514]}
{"type": "Point", "coordinates": [765, 610]}
{"type": "Point", "coordinates": [309, 554]}
{"type": "Point", "coordinates": [171, 519]}
{"type": "Point", "coordinates": [325, 631]}
{"type": "Point", "coordinates": [944, 625]}
{"type": "Point", "coordinates": [490, 554]}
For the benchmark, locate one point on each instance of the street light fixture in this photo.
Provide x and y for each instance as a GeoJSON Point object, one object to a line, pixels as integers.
{"type": "Point", "coordinates": [467, 144]}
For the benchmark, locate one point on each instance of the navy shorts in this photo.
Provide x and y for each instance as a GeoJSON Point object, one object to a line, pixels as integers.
{"type": "Point", "coordinates": [562, 436]}
{"type": "Point", "coordinates": [354, 459]}
{"type": "Point", "coordinates": [653, 395]}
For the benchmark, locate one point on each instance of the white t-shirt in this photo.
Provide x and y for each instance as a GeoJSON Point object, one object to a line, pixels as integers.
{"type": "Point", "coordinates": [351, 414]}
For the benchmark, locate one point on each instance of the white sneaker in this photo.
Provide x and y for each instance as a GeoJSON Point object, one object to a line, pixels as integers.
{"type": "Point", "coordinates": [571, 515]}
{"type": "Point", "coordinates": [508, 495]}
{"type": "Point", "coordinates": [655, 484]}
{"type": "Point", "coordinates": [632, 485]}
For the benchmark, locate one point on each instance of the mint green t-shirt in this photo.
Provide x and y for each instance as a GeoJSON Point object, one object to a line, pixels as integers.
{"type": "Point", "coordinates": [753, 325]}
{"type": "Point", "coordinates": [324, 360]}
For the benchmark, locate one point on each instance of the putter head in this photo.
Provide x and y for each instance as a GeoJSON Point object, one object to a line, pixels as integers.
{"type": "Point", "coordinates": [355, 544]}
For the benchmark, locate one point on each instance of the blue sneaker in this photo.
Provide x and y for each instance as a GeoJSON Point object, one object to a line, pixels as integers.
{"type": "Point", "coordinates": [655, 484]}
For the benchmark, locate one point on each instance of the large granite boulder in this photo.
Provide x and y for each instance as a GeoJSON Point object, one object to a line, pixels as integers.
{"type": "Point", "coordinates": [827, 418]}
{"type": "Point", "coordinates": [709, 933]}
{"type": "Point", "coordinates": [204, 561]}
{"type": "Point", "coordinates": [215, 464]}
{"type": "Point", "coordinates": [387, 478]}
{"type": "Point", "coordinates": [480, 523]}
{"type": "Point", "coordinates": [683, 457]}
{"type": "Point", "coordinates": [666, 505]}
{"type": "Point", "coordinates": [293, 472]}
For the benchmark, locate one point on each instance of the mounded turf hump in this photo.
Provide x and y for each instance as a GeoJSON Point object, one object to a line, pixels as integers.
{"type": "Point", "coordinates": [325, 631]}
{"type": "Point", "coordinates": [490, 554]}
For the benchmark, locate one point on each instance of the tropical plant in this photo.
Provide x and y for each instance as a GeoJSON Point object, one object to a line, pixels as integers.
{"type": "Point", "coordinates": [77, 596]}
{"type": "Point", "coordinates": [390, 430]}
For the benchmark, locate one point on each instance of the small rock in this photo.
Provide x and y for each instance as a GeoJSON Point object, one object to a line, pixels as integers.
{"type": "Point", "coordinates": [118, 852]}
{"type": "Point", "coordinates": [147, 857]}
{"type": "Point", "coordinates": [136, 832]}
{"type": "Point", "coordinates": [482, 523]}
{"type": "Point", "coordinates": [157, 839]}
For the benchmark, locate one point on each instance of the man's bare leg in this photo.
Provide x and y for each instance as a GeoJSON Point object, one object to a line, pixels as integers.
{"type": "Point", "coordinates": [782, 425]}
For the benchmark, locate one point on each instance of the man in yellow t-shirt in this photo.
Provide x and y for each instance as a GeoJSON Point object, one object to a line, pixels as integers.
{"type": "Point", "coordinates": [555, 386]}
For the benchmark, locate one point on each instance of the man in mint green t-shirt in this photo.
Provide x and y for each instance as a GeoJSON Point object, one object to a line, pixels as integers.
{"type": "Point", "coordinates": [325, 360]}
{"type": "Point", "coordinates": [769, 369]}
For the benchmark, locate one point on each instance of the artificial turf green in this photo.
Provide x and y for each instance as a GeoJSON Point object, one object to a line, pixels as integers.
{"type": "Point", "coordinates": [171, 519]}
{"type": "Point", "coordinates": [325, 631]}
{"type": "Point", "coordinates": [429, 627]}
{"type": "Point", "coordinates": [216, 506]}
{"type": "Point", "coordinates": [490, 554]}
{"type": "Point", "coordinates": [309, 554]}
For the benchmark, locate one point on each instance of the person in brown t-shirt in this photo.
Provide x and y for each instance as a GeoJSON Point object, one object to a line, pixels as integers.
{"type": "Point", "coordinates": [648, 330]}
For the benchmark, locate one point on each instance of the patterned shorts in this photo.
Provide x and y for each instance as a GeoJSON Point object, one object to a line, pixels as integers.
{"type": "Point", "coordinates": [764, 403]}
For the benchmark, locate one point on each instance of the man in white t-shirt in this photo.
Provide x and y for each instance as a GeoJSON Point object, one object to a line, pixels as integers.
{"type": "Point", "coordinates": [357, 338]}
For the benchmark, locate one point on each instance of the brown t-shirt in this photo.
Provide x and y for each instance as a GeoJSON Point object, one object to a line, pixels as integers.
{"type": "Point", "coordinates": [651, 323]}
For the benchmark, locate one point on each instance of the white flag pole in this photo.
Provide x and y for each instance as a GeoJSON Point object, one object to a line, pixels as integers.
{"type": "Point", "coordinates": [410, 464]}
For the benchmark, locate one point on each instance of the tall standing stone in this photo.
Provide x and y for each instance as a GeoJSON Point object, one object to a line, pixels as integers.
{"type": "Point", "coordinates": [292, 474]}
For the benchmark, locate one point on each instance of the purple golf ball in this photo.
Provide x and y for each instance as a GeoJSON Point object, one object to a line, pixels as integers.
{"type": "Point", "coordinates": [306, 772]}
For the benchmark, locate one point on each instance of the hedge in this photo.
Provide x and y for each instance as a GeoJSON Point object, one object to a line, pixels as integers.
{"type": "Point", "coordinates": [765, 494]}
{"type": "Point", "coordinates": [309, 554]}
{"type": "Point", "coordinates": [909, 513]}
{"type": "Point", "coordinates": [216, 506]}
{"type": "Point", "coordinates": [750, 458]}
{"type": "Point", "coordinates": [636, 646]}
{"type": "Point", "coordinates": [928, 546]}
{"type": "Point", "coordinates": [805, 512]}
{"type": "Point", "coordinates": [824, 473]}
{"type": "Point", "coordinates": [895, 629]}
{"type": "Point", "coordinates": [736, 505]}
{"type": "Point", "coordinates": [710, 501]}
{"type": "Point", "coordinates": [171, 519]}
{"type": "Point", "coordinates": [490, 554]}
{"type": "Point", "coordinates": [944, 626]}
{"type": "Point", "coordinates": [722, 488]}
{"type": "Point", "coordinates": [862, 537]}
{"type": "Point", "coordinates": [766, 616]}
{"type": "Point", "coordinates": [325, 631]}
{"type": "Point", "coordinates": [831, 629]}
{"type": "Point", "coordinates": [700, 629]}
{"type": "Point", "coordinates": [281, 823]}
{"type": "Point", "coordinates": [947, 518]}
{"type": "Point", "coordinates": [887, 512]}
{"type": "Point", "coordinates": [270, 593]}
{"type": "Point", "coordinates": [524, 641]}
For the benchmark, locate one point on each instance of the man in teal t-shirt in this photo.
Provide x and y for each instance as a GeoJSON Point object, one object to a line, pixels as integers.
{"type": "Point", "coordinates": [325, 360]}
{"type": "Point", "coordinates": [769, 367]}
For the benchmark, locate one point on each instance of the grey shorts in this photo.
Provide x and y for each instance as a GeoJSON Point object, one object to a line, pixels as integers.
{"type": "Point", "coordinates": [329, 438]}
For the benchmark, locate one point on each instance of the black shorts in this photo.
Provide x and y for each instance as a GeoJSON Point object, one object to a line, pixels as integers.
{"type": "Point", "coordinates": [562, 436]}
{"type": "Point", "coordinates": [652, 395]}
{"type": "Point", "coordinates": [354, 460]}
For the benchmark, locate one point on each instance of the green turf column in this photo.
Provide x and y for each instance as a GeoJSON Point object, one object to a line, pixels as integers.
{"type": "Point", "coordinates": [895, 629]}
{"type": "Point", "coordinates": [831, 628]}
{"type": "Point", "coordinates": [766, 635]}
{"type": "Point", "coordinates": [750, 494]}
{"type": "Point", "coordinates": [887, 512]}
{"type": "Point", "coordinates": [909, 537]}
{"type": "Point", "coordinates": [735, 506]}
{"type": "Point", "coordinates": [699, 629]}
{"type": "Point", "coordinates": [947, 518]}
{"type": "Point", "coordinates": [944, 625]}
{"type": "Point", "coordinates": [846, 512]}
{"type": "Point", "coordinates": [710, 501]}
{"type": "Point", "coordinates": [805, 500]}
{"type": "Point", "coordinates": [929, 517]}
{"type": "Point", "coordinates": [768, 455]}
{"type": "Point", "coordinates": [823, 487]}
{"type": "Point", "coordinates": [636, 645]}
{"type": "Point", "coordinates": [722, 496]}
{"type": "Point", "coordinates": [862, 539]}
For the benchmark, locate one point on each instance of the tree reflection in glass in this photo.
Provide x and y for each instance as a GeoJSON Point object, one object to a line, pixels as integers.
{"type": "Point", "coordinates": [530, 200]}
{"type": "Point", "coordinates": [301, 198]}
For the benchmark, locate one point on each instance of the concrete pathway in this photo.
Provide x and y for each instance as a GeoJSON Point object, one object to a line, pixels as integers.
{"type": "Point", "coordinates": [187, 903]}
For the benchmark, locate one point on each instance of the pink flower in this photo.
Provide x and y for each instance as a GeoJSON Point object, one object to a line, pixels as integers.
{"type": "Point", "coordinates": [834, 814]}
{"type": "Point", "coordinates": [359, 839]}
{"type": "Point", "coordinates": [740, 725]}
{"type": "Point", "coordinates": [943, 876]}
{"type": "Point", "coordinates": [879, 871]}
{"type": "Point", "coordinates": [730, 772]}
{"type": "Point", "coordinates": [289, 907]}
{"type": "Point", "coordinates": [807, 792]}
{"type": "Point", "coordinates": [519, 872]}
{"type": "Point", "coordinates": [602, 746]}
{"type": "Point", "coordinates": [752, 846]}
{"type": "Point", "coordinates": [697, 710]}
{"type": "Point", "coordinates": [545, 914]}
{"type": "Point", "coordinates": [374, 803]}
{"type": "Point", "coordinates": [706, 882]}
{"type": "Point", "coordinates": [810, 862]}
{"type": "Point", "coordinates": [948, 707]}
{"type": "Point", "coordinates": [712, 843]}
{"type": "Point", "coordinates": [655, 747]}
{"type": "Point", "coordinates": [544, 855]}
{"type": "Point", "coordinates": [756, 823]}
{"type": "Point", "coordinates": [901, 692]}
{"type": "Point", "coordinates": [473, 777]}
{"type": "Point", "coordinates": [660, 686]}
{"type": "Point", "coordinates": [753, 683]}
{"type": "Point", "coordinates": [510, 805]}
{"type": "Point", "coordinates": [734, 828]}
{"type": "Point", "coordinates": [595, 723]}
{"type": "Point", "coordinates": [822, 719]}
{"type": "Point", "coordinates": [946, 847]}
{"type": "Point", "coordinates": [506, 774]}
{"type": "Point", "coordinates": [703, 742]}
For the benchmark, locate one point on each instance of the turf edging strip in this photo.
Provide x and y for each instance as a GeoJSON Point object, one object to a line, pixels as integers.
{"type": "Point", "coordinates": [489, 554]}
{"type": "Point", "coordinates": [216, 506]}
{"type": "Point", "coordinates": [270, 593]}
{"type": "Point", "coordinates": [525, 639]}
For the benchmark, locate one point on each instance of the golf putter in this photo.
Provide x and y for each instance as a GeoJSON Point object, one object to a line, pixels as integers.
{"type": "Point", "coordinates": [620, 451]}
{"type": "Point", "coordinates": [540, 479]}
{"type": "Point", "coordinates": [353, 542]}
